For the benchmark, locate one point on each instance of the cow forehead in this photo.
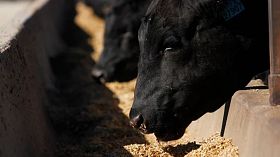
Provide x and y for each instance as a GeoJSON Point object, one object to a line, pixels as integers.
{"type": "Point", "coordinates": [164, 8]}
{"type": "Point", "coordinates": [169, 13]}
{"type": "Point", "coordinates": [157, 27]}
{"type": "Point", "coordinates": [189, 8]}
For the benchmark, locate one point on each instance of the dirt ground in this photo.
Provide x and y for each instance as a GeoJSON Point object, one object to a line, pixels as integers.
{"type": "Point", "coordinates": [91, 119]}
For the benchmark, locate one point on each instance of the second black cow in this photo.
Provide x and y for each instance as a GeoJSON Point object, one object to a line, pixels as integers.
{"type": "Point", "coordinates": [118, 61]}
{"type": "Point", "coordinates": [194, 54]}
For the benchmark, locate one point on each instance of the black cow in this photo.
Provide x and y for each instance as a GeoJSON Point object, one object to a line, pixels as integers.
{"type": "Point", "coordinates": [100, 7]}
{"type": "Point", "coordinates": [194, 55]}
{"type": "Point", "coordinates": [119, 59]}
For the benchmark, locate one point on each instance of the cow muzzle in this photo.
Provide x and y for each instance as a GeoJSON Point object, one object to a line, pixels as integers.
{"type": "Point", "coordinates": [138, 122]}
{"type": "Point", "coordinates": [99, 74]}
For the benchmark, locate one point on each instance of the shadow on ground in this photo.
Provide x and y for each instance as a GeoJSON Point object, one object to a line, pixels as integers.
{"type": "Point", "coordinates": [181, 150]}
{"type": "Point", "coordinates": [84, 113]}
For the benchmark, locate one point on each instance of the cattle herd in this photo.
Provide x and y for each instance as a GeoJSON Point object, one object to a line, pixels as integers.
{"type": "Point", "coordinates": [189, 56]}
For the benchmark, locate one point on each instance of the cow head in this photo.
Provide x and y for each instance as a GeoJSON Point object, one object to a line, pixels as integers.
{"type": "Point", "coordinates": [119, 59]}
{"type": "Point", "coordinates": [190, 63]}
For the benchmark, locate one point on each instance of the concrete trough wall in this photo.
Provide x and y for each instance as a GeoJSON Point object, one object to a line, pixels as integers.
{"type": "Point", "coordinates": [252, 123]}
{"type": "Point", "coordinates": [26, 42]}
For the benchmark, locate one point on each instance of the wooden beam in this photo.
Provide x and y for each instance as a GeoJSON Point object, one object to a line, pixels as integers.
{"type": "Point", "coordinates": [274, 37]}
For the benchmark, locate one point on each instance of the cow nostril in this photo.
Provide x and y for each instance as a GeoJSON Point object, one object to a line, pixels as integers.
{"type": "Point", "coordinates": [98, 74]}
{"type": "Point", "coordinates": [137, 121]}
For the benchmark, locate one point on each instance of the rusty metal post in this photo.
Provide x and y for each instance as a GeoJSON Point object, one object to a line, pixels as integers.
{"type": "Point", "coordinates": [274, 43]}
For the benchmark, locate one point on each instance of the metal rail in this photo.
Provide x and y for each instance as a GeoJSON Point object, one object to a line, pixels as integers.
{"type": "Point", "coordinates": [274, 37]}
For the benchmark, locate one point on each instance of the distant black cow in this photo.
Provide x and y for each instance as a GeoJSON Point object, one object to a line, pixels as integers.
{"type": "Point", "coordinates": [119, 58]}
{"type": "Point", "coordinates": [194, 55]}
{"type": "Point", "coordinates": [100, 7]}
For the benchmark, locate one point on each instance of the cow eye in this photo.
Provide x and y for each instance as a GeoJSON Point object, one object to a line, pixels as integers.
{"type": "Point", "coordinates": [168, 49]}
{"type": "Point", "coordinates": [170, 44]}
